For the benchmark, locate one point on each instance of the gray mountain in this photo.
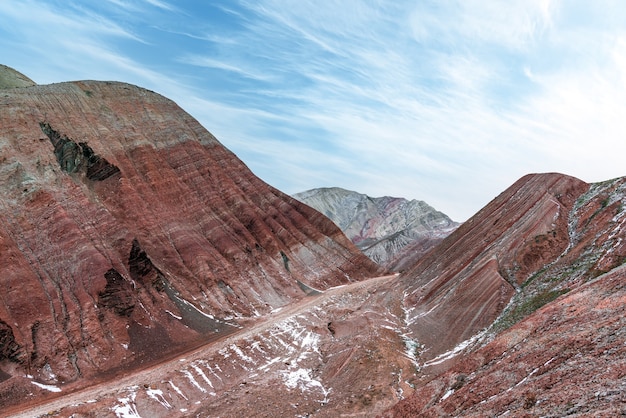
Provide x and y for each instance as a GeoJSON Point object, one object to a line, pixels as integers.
{"type": "Point", "coordinates": [383, 227]}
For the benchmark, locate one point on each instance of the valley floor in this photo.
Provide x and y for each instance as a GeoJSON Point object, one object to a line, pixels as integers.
{"type": "Point", "coordinates": [202, 380]}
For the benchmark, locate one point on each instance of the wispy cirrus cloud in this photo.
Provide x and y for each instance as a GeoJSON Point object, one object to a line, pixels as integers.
{"type": "Point", "coordinates": [446, 101]}
{"type": "Point", "coordinates": [450, 102]}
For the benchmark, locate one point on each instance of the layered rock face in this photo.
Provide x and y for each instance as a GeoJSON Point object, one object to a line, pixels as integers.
{"type": "Point", "coordinates": [531, 255]}
{"type": "Point", "coordinates": [520, 286]}
{"type": "Point", "coordinates": [127, 231]}
{"type": "Point", "coordinates": [465, 283]}
{"type": "Point", "coordinates": [566, 359]}
{"type": "Point", "coordinates": [386, 229]}
{"type": "Point", "coordinates": [130, 237]}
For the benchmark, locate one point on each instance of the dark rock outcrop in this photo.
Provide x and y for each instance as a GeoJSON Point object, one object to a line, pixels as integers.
{"type": "Point", "coordinates": [142, 270]}
{"type": "Point", "coordinates": [9, 349]}
{"type": "Point", "coordinates": [73, 157]}
{"type": "Point", "coordinates": [117, 294]}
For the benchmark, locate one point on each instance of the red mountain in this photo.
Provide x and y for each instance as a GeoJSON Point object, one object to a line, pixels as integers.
{"type": "Point", "coordinates": [537, 254]}
{"type": "Point", "coordinates": [146, 272]}
{"type": "Point", "coordinates": [127, 232]}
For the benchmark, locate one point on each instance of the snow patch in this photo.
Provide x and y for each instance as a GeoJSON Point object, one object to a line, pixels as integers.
{"type": "Point", "coordinates": [455, 351]}
{"type": "Point", "coordinates": [202, 375]}
{"type": "Point", "coordinates": [50, 388]}
{"type": "Point", "coordinates": [193, 381]}
{"type": "Point", "coordinates": [446, 395]}
{"type": "Point", "coordinates": [303, 380]}
{"type": "Point", "coordinates": [240, 353]}
{"type": "Point", "coordinates": [175, 316]}
{"type": "Point", "coordinates": [157, 395]}
{"type": "Point", "coordinates": [419, 315]}
{"type": "Point", "coordinates": [257, 346]}
{"type": "Point", "coordinates": [127, 409]}
{"type": "Point", "coordinates": [177, 390]}
{"type": "Point", "coordinates": [411, 348]}
{"type": "Point", "coordinates": [192, 306]}
{"type": "Point", "coordinates": [269, 363]}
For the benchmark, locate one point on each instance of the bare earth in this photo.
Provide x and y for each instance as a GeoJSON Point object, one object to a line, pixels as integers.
{"type": "Point", "coordinates": [93, 398]}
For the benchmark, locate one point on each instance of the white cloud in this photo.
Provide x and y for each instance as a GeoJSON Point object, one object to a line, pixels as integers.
{"type": "Point", "coordinates": [444, 101]}
{"type": "Point", "coordinates": [512, 24]}
{"type": "Point", "coordinates": [239, 69]}
{"type": "Point", "coordinates": [160, 4]}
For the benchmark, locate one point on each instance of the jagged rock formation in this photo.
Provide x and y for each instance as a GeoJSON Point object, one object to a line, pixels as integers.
{"type": "Point", "coordinates": [127, 232]}
{"type": "Point", "coordinates": [73, 157]}
{"type": "Point", "coordinates": [387, 229]}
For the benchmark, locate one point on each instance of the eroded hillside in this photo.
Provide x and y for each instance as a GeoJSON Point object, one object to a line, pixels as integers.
{"type": "Point", "coordinates": [127, 231]}
{"type": "Point", "coordinates": [147, 272]}
{"type": "Point", "coordinates": [392, 231]}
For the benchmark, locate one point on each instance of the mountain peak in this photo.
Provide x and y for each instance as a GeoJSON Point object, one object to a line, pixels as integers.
{"type": "Point", "coordinates": [382, 227]}
{"type": "Point", "coordinates": [11, 78]}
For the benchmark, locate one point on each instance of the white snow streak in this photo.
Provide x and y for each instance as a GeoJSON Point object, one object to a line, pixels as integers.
{"type": "Point", "coordinates": [51, 388]}
{"type": "Point", "coordinates": [177, 390]}
{"type": "Point", "coordinates": [446, 395]}
{"type": "Point", "coordinates": [193, 381]}
{"type": "Point", "coordinates": [202, 375]}
{"type": "Point", "coordinates": [127, 409]}
{"type": "Point", "coordinates": [157, 395]}
{"type": "Point", "coordinates": [455, 351]}
{"type": "Point", "coordinates": [175, 316]}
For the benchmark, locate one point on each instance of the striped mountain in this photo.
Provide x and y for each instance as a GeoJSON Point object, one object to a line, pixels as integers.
{"type": "Point", "coordinates": [392, 231]}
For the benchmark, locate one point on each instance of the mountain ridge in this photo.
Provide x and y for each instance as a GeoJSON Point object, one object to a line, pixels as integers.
{"type": "Point", "coordinates": [147, 272]}
{"type": "Point", "coordinates": [128, 229]}
{"type": "Point", "coordinates": [380, 226]}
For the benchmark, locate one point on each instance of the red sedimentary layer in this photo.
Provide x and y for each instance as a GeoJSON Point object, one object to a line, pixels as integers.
{"type": "Point", "coordinates": [123, 222]}
{"type": "Point", "coordinates": [127, 233]}
{"type": "Point", "coordinates": [464, 283]}
{"type": "Point", "coordinates": [568, 358]}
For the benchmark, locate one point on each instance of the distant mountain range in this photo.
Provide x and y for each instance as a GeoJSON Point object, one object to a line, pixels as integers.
{"type": "Point", "coordinates": [387, 229]}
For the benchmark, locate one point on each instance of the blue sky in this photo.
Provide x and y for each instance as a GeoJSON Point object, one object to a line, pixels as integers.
{"type": "Point", "coordinates": [444, 101]}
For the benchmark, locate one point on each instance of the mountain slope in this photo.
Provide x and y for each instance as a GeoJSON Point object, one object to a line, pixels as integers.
{"type": "Point", "coordinates": [355, 350]}
{"type": "Point", "coordinates": [465, 283]}
{"type": "Point", "coordinates": [146, 272]}
{"type": "Point", "coordinates": [128, 231]}
{"type": "Point", "coordinates": [542, 243]}
{"type": "Point", "coordinates": [566, 359]}
{"type": "Point", "coordinates": [381, 227]}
